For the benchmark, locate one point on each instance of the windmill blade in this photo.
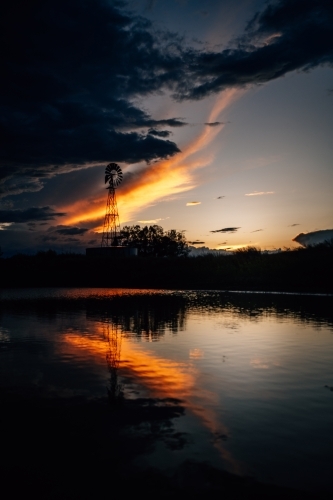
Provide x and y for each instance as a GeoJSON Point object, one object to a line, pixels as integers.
{"type": "Point", "coordinates": [113, 174]}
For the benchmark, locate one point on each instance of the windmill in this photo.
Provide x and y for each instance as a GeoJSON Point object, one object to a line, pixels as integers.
{"type": "Point", "coordinates": [111, 228]}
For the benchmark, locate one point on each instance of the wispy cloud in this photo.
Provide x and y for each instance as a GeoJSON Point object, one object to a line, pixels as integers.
{"type": "Point", "coordinates": [226, 230]}
{"type": "Point", "coordinates": [190, 203]}
{"type": "Point", "coordinates": [293, 225]}
{"type": "Point", "coordinates": [259, 193]}
{"type": "Point", "coordinates": [196, 242]}
{"type": "Point", "coordinates": [150, 221]}
{"type": "Point", "coordinates": [256, 230]}
{"type": "Point", "coordinates": [214, 124]}
{"type": "Point", "coordinates": [219, 197]}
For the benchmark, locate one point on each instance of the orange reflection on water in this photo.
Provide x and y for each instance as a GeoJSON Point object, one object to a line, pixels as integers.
{"type": "Point", "coordinates": [164, 378]}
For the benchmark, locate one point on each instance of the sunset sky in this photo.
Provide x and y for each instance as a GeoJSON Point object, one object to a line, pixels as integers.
{"type": "Point", "coordinates": [219, 113]}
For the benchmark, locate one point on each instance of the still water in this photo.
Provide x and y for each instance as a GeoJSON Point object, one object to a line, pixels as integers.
{"type": "Point", "coordinates": [253, 372]}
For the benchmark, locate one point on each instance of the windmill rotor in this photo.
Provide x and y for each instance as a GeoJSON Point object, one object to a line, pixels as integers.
{"type": "Point", "coordinates": [113, 175]}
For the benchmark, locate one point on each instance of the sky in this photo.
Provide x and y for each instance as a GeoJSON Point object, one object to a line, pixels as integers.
{"type": "Point", "coordinates": [219, 113]}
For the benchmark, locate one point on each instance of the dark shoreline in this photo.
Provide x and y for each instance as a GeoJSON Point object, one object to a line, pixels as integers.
{"type": "Point", "coordinates": [71, 448]}
{"type": "Point", "coordinates": [298, 271]}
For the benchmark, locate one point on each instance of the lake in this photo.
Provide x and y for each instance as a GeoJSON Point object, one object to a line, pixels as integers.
{"type": "Point", "coordinates": [249, 376]}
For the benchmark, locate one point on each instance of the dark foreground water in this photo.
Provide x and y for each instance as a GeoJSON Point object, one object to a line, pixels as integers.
{"type": "Point", "coordinates": [245, 380]}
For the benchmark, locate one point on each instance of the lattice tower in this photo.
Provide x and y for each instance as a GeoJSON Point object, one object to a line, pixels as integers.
{"type": "Point", "coordinates": [111, 228]}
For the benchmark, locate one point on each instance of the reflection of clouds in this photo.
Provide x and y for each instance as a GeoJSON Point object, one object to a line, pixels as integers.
{"type": "Point", "coordinates": [257, 363]}
{"type": "Point", "coordinates": [164, 378]}
{"type": "Point", "coordinates": [196, 353]}
{"type": "Point", "coordinates": [264, 365]}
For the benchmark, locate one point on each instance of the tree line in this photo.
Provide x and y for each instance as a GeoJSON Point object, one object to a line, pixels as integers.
{"type": "Point", "coordinates": [153, 241]}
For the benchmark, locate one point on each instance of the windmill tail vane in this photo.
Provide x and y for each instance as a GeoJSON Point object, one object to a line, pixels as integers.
{"type": "Point", "coordinates": [111, 228]}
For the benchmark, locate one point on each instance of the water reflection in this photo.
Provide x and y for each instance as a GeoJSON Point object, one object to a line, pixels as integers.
{"type": "Point", "coordinates": [112, 337]}
{"type": "Point", "coordinates": [147, 374]}
{"type": "Point", "coordinates": [250, 372]}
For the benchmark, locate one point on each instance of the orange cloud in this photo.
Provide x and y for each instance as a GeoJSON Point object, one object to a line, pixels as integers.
{"type": "Point", "coordinates": [159, 180]}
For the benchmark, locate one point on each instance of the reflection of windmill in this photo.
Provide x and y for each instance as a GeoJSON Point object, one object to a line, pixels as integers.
{"type": "Point", "coordinates": [113, 359]}
{"type": "Point", "coordinates": [111, 229]}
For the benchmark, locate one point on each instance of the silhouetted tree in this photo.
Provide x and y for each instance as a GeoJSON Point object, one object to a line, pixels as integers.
{"type": "Point", "coordinates": [154, 241]}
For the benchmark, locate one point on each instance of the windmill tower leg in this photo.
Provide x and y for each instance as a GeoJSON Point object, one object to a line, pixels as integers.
{"type": "Point", "coordinates": [111, 228]}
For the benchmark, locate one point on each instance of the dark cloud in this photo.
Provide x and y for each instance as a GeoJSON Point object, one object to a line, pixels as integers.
{"type": "Point", "coordinates": [214, 124]}
{"type": "Point", "coordinates": [159, 133]}
{"type": "Point", "coordinates": [293, 225]}
{"type": "Point", "coordinates": [29, 214]}
{"type": "Point", "coordinates": [256, 230]}
{"type": "Point", "coordinates": [72, 230]}
{"type": "Point", "coordinates": [220, 197]}
{"type": "Point", "coordinates": [74, 74]}
{"type": "Point", "coordinates": [314, 237]}
{"type": "Point", "coordinates": [72, 70]}
{"type": "Point", "coordinates": [287, 35]}
{"type": "Point", "coordinates": [72, 240]}
{"type": "Point", "coordinates": [48, 238]}
{"type": "Point", "coordinates": [197, 242]}
{"type": "Point", "coordinates": [150, 4]}
{"type": "Point", "coordinates": [226, 230]}
{"type": "Point", "coordinates": [14, 239]}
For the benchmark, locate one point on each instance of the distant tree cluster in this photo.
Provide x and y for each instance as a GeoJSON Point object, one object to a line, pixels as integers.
{"type": "Point", "coordinates": [154, 241]}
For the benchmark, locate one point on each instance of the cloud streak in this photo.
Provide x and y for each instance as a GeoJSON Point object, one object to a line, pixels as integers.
{"type": "Point", "coordinates": [259, 193]}
{"type": "Point", "coordinates": [152, 221]}
{"type": "Point", "coordinates": [214, 124]}
{"type": "Point", "coordinates": [29, 214]}
{"type": "Point", "coordinates": [226, 230]}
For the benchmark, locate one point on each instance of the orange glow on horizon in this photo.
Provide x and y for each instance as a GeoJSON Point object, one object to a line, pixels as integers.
{"type": "Point", "coordinates": [159, 180]}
